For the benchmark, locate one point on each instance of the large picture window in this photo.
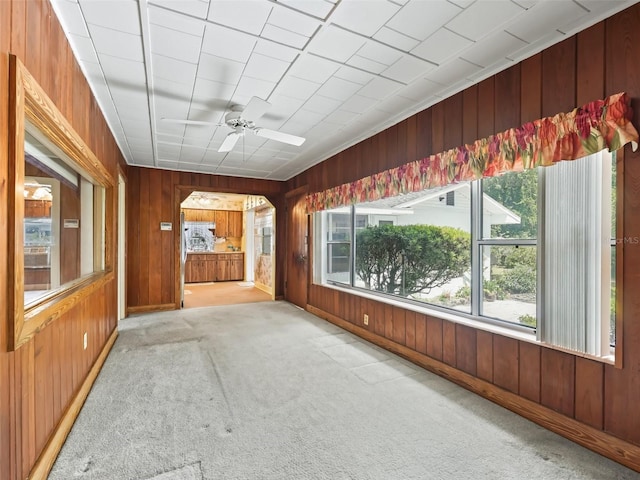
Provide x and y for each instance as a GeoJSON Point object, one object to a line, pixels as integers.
{"type": "Point", "coordinates": [533, 250]}
{"type": "Point", "coordinates": [60, 208]}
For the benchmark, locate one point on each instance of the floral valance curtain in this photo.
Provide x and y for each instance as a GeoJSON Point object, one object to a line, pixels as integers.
{"type": "Point", "coordinates": [566, 136]}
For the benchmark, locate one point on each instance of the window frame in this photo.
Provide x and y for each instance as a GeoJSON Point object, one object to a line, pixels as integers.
{"type": "Point", "coordinates": [478, 240]}
{"type": "Point", "coordinates": [28, 103]}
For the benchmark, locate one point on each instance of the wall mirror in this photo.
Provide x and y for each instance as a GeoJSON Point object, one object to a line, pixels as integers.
{"type": "Point", "coordinates": [60, 207]}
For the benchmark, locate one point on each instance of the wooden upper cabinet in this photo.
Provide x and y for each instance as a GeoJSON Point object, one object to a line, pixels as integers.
{"type": "Point", "coordinates": [222, 223]}
{"type": "Point", "coordinates": [235, 224]}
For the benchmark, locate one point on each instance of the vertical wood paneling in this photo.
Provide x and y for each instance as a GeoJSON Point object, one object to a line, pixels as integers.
{"type": "Point", "coordinates": [388, 320]}
{"type": "Point", "coordinates": [147, 256]}
{"type": "Point", "coordinates": [466, 349]}
{"type": "Point", "coordinates": [589, 392]}
{"type": "Point", "coordinates": [559, 84]}
{"type": "Point", "coordinates": [5, 418]}
{"type": "Point", "coordinates": [529, 371]}
{"type": "Point", "coordinates": [622, 386]}
{"type": "Point", "coordinates": [449, 346]}
{"type": "Point", "coordinates": [437, 127]}
{"type": "Point", "coordinates": [434, 338]}
{"type": "Point", "coordinates": [484, 352]}
{"type": "Point", "coordinates": [505, 363]}
{"type": "Point", "coordinates": [557, 374]}
{"type": "Point", "coordinates": [421, 333]}
{"type": "Point", "coordinates": [412, 140]}
{"type": "Point", "coordinates": [452, 121]}
{"type": "Point", "coordinates": [379, 319]}
{"type": "Point", "coordinates": [410, 332]}
{"type": "Point", "coordinates": [507, 99]}
{"type": "Point", "coordinates": [424, 145]}
{"type": "Point", "coordinates": [590, 65]}
{"type": "Point", "coordinates": [531, 89]}
{"type": "Point", "coordinates": [470, 115]}
{"type": "Point", "coordinates": [399, 331]}
{"type": "Point", "coordinates": [486, 114]}
{"type": "Point", "coordinates": [154, 193]}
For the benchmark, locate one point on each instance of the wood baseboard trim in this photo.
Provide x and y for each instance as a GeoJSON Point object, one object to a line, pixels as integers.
{"type": "Point", "coordinates": [598, 441]}
{"type": "Point", "coordinates": [45, 461]}
{"type": "Point", "coordinates": [163, 307]}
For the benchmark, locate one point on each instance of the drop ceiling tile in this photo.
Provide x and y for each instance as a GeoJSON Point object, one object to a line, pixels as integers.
{"type": "Point", "coordinates": [305, 119]}
{"type": "Point", "coordinates": [139, 114]}
{"type": "Point", "coordinates": [441, 46]}
{"type": "Point", "coordinates": [297, 88]}
{"type": "Point", "coordinates": [540, 44]}
{"type": "Point", "coordinates": [353, 75]}
{"type": "Point", "coordinates": [70, 17]}
{"type": "Point", "coordinates": [380, 53]}
{"type": "Point", "coordinates": [226, 43]}
{"type": "Point", "coordinates": [341, 117]}
{"type": "Point", "coordinates": [453, 72]}
{"type": "Point", "coordinates": [380, 88]}
{"type": "Point", "coordinates": [317, 8]}
{"type": "Point", "coordinates": [350, 15]}
{"type": "Point", "coordinates": [323, 105]}
{"type": "Point", "coordinates": [254, 87]}
{"type": "Point", "coordinates": [247, 16]}
{"type": "Point", "coordinates": [199, 133]}
{"type": "Point", "coordinates": [419, 19]}
{"type": "Point", "coordinates": [168, 108]}
{"type": "Point", "coordinates": [462, 3]}
{"type": "Point", "coordinates": [482, 17]}
{"type": "Point", "coordinates": [408, 69]}
{"type": "Point", "coordinates": [265, 68]}
{"type": "Point", "coordinates": [167, 164]}
{"type": "Point", "coordinates": [122, 15]}
{"type": "Point", "coordinates": [219, 69]}
{"type": "Point", "coordinates": [336, 44]}
{"type": "Point", "coordinates": [169, 89]}
{"type": "Point", "coordinates": [420, 89]}
{"type": "Point", "coordinates": [275, 50]}
{"type": "Point", "coordinates": [369, 66]}
{"type": "Point", "coordinates": [175, 21]}
{"type": "Point", "coordinates": [294, 21]}
{"type": "Point", "coordinates": [395, 106]}
{"type": "Point", "coordinates": [358, 104]}
{"type": "Point", "coordinates": [208, 94]}
{"type": "Point", "coordinates": [526, 4]}
{"type": "Point", "coordinates": [284, 106]}
{"type": "Point", "coordinates": [284, 36]}
{"type": "Point", "coordinates": [542, 19]}
{"type": "Point", "coordinates": [493, 48]}
{"type": "Point", "coordinates": [312, 68]}
{"type": "Point", "coordinates": [127, 72]}
{"type": "Point", "coordinates": [338, 88]}
{"type": "Point", "coordinates": [173, 70]}
{"type": "Point", "coordinates": [197, 8]}
{"type": "Point", "coordinates": [116, 43]}
{"type": "Point", "coordinates": [395, 39]}
{"type": "Point", "coordinates": [175, 44]}
{"type": "Point", "coordinates": [83, 48]}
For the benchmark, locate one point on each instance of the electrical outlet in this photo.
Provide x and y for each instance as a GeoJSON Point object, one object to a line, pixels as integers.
{"type": "Point", "coordinates": [366, 319]}
{"type": "Point", "coordinates": [84, 340]}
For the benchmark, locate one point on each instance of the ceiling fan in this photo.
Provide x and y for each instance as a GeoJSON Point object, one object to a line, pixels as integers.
{"type": "Point", "coordinates": [242, 120]}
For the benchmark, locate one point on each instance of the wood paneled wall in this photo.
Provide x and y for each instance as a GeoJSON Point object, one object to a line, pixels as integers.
{"type": "Point", "coordinates": [39, 380]}
{"type": "Point", "coordinates": [152, 197]}
{"type": "Point", "coordinates": [595, 63]}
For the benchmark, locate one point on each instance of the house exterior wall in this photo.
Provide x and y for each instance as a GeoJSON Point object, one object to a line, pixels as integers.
{"type": "Point", "coordinates": [589, 401]}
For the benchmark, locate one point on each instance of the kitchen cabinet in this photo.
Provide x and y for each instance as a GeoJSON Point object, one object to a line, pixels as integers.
{"type": "Point", "coordinates": [234, 223]}
{"type": "Point", "coordinates": [213, 267]}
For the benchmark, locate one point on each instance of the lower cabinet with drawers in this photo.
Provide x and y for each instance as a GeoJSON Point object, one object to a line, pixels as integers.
{"type": "Point", "coordinates": [213, 267]}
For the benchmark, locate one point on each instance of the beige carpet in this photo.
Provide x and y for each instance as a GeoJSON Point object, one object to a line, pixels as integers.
{"type": "Point", "coordinates": [266, 391]}
{"type": "Point", "coordinates": [222, 293]}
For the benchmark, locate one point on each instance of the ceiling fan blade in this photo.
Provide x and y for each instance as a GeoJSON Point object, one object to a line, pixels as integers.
{"type": "Point", "coordinates": [279, 136]}
{"type": "Point", "coordinates": [229, 142]}
{"type": "Point", "coordinates": [255, 109]}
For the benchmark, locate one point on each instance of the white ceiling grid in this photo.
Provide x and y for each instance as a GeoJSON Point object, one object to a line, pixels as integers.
{"type": "Point", "coordinates": [334, 71]}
